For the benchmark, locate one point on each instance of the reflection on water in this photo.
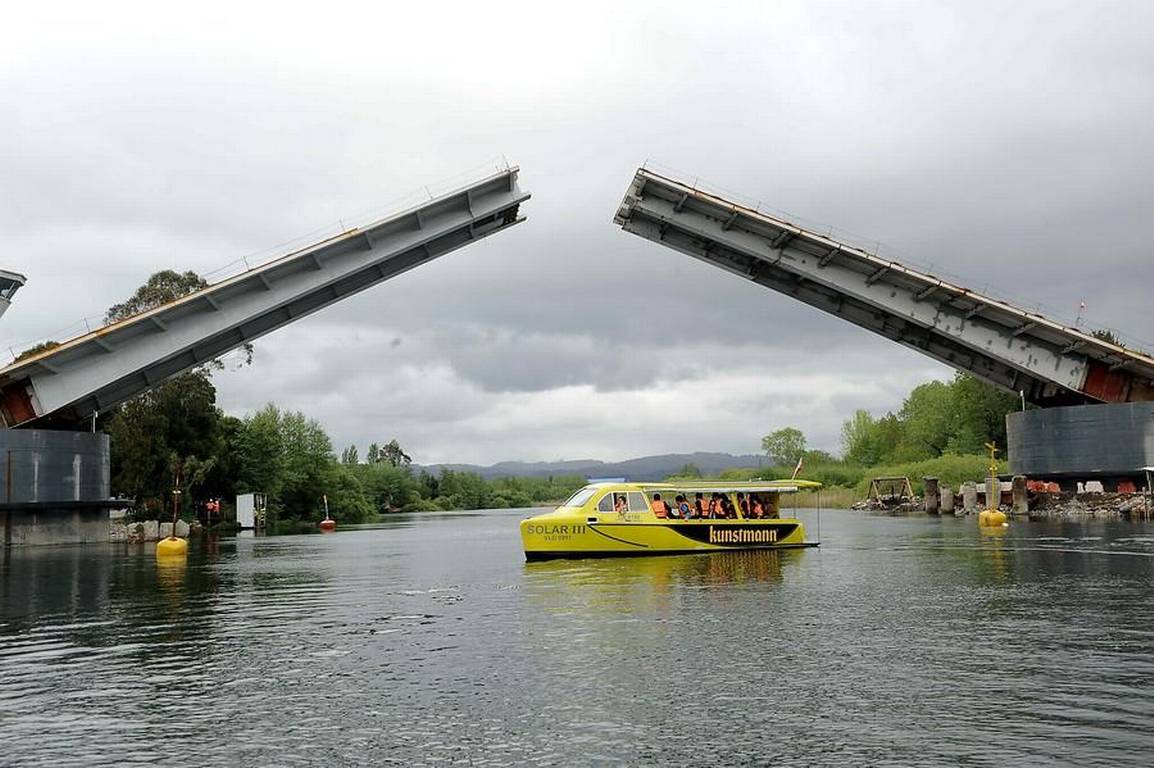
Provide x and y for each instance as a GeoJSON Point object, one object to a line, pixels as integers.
{"type": "Point", "coordinates": [428, 640]}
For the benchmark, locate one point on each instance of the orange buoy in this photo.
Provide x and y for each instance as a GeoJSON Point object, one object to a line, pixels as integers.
{"type": "Point", "coordinates": [328, 525]}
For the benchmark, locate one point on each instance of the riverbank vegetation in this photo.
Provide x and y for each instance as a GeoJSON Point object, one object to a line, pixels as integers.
{"type": "Point", "coordinates": [941, 430]}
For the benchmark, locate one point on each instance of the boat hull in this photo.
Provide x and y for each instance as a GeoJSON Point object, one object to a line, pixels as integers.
{"type": "Point", "coordinates": [551, 536]}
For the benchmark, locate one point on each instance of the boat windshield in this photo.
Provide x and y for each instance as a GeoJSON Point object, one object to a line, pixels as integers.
{"type": "Point", "coordinates": [582, 496]}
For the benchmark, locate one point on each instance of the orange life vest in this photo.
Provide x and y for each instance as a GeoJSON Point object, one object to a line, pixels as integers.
{"type": "Point", "coordinates": [660, 509]}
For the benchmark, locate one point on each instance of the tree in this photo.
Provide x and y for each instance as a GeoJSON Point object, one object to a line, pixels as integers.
{"type": "Point", "coordinates": [926, 416]}
{"type": "Point", "coordinates": [785, 446]}
{"type": "Point", "coordinates": [308, 462]}
{"type": "Point", "coordinates": [288, 456]}
{"type": "Point", "coordinates": [1107, 336]}
{"type": "Point", "coordinates": [392, 455]}
{"type": "Point", "coordinates": [36, 349]}
{"type": "Point", "coordinates": [373, 454]}
{"type": "Point", "coordinates": [979, 410]}
{"type": "Point", "coordinates": [188, 473]}
{"type": "Point", "coordinates": [177, 417]}
{"type": "Point", "coordinates": [161, 288]}
{"type": "Point", "coordinates": [857, 439]}
{"type": "Point", "coordinates": [260, 453]}
{"type": "Point", "coordinates": [349, 456]}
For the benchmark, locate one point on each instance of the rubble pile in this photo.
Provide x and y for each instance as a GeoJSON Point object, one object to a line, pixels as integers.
{"type": "Point", "coordinates": [1089, 505]}
{"type": "Point", "coordinates": [894, 506]}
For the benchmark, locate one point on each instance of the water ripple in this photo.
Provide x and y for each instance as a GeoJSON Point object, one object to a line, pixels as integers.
{"type": "Point", "coordinates": [902, 641]}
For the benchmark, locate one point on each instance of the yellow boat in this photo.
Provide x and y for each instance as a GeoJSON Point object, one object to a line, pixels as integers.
{"type": "Point", "coordinates": [613, 518]}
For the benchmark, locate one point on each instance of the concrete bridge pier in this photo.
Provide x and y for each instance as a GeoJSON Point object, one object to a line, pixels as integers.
{"type": "Point", "coordinates": [947, 500]}
{"type": "Point", "coordinates": [55, 487]}
{"type": "Point", "coordinates": [969, 497]}
{"type": "Point", "coordinates": [931, 495]}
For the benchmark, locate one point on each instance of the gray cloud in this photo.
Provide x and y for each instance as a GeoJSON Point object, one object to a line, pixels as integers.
{"type": "Point", "coordinates": [1006, 145]}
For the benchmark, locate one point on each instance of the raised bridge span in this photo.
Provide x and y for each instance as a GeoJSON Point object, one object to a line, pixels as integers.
{"type": "Point", "coordinates": [101, 369]}
{"type": "Point", "coordinates": [1020, 351]}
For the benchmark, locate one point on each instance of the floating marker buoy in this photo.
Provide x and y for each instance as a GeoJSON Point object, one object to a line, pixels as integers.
{"type": "Point", "coordinates": [172, 547]}
{"type": "Point", "coordinates": [992, 518]}
{"type": "Point", "coordinates": [328, 525]}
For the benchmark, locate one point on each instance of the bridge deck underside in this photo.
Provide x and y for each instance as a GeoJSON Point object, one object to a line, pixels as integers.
{"type": "Point", "coordinates": [99, 370]}
{"type": "Point", "coordinates": [1016, 350]}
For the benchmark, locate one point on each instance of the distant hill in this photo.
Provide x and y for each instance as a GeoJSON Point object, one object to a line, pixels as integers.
{"type": "Point", "coordinates": [646, 468]}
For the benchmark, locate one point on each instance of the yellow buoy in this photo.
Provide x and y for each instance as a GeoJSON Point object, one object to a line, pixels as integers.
{"type": "Point", "coordinates": [991, 517]}
{"type": "Point", "coordinates": [172, 547]}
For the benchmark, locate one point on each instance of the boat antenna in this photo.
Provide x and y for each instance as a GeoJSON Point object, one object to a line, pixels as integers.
{"type": "Point", "coordinates": [819, 502]}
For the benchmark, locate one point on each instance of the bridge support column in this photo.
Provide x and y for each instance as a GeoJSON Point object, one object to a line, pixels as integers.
{"type": "Point", "coordinates": [930, 495]}
{"type": "Point", "coordinates": [969, 497]}
{"type": "Point", "coordinates": [947, 500]}
{"type": "Point", "coordinates": [1021, 496]}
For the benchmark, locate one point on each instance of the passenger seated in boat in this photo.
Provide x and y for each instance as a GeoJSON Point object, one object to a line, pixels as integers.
{"type": "Point", "coordinates": [683, 508]}
{"type": "Point", "coordinates": [743, 504]}
{"type": "Point", "coordinates": [660, 508]}
{"type": "Point", "coordinates": [619, 505]}
{"type": "Point", "coordinates": [715, 512]}
{"type": "Point", "coordinates": [728, 509]}
{"type": "Point", "coordinates": [757, 511]}
{"type": "Point", "coordinates": [699, 507]}
{"type": "Point", "coordinates": [767, 505]}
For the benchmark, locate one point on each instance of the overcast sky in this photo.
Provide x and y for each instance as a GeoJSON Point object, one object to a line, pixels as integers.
{"type": "Point", "coordinates": [1008, 144]}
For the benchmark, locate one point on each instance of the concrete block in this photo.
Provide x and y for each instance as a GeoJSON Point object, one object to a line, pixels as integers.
{"type": "Point", "coordinates": [149, 530]}
{"type": "Point", "coordinates": [117, 528]}
{"type": "Point", "coordinates": [993, 493]}
{"type": "Point", "coordinates": [49, 525]}
{"type": "Point", "coordinates": [164, 530]}
{"type": "Point", "coordinates": [182, 529]}
{"type": "Point", "coordinates": [969, 497]}
{"type": "Point", "coordinates": [947, 494]}
{"type": "Point", "coordinates": [1021, 497]}
{"type": "Point", "coordinates": [931, 495]}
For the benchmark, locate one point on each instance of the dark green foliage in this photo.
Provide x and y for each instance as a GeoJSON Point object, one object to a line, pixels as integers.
{"type": "Point", "coordinates": [936, 419]}
{"type": "Point", "coordinates": [161, 288]}
{"type": "Point", "coordinates": [785, 446]}
{"type": "Point", "coordinates": [1107, 336]}
{"type": "Point", "coordinates": [177, 418]}
{"type": "Point", "coordinates": [36, 349]}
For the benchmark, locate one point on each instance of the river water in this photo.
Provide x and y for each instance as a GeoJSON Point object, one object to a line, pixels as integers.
{"type": "Point", "coordinates": [428, 641]}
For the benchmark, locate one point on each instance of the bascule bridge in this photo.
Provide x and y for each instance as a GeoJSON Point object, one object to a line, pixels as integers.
{"type": "Point", "coordinates": [57, 477]}
{"type": "Point", "coordinates": [1096, 399]}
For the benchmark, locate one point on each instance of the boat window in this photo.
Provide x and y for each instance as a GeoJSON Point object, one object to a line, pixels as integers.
{"type": "Point", "coordinates": [637, 503]}
{"type": "Point", "coordinates": [578, 499]}
{"type": "Point", "coordinates": [606, 503]}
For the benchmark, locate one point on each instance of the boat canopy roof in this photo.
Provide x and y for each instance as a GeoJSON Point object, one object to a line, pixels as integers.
{"type": "Point", "coordinates": [717, 486]}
